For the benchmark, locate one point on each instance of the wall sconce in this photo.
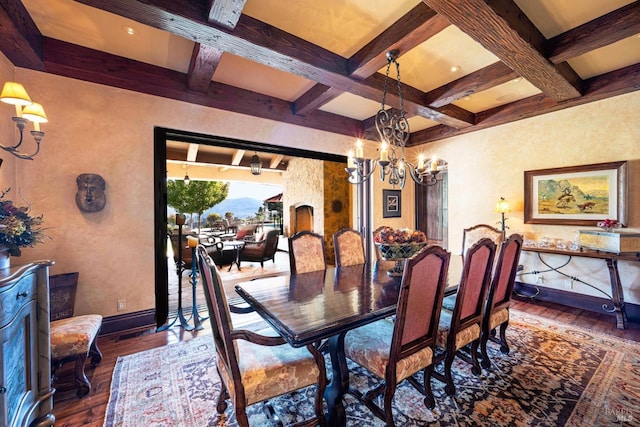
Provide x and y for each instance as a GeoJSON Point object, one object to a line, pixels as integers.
{"type": "Point", "coordinates": [256, 164]}
{"type": "Point", "coordinates": [503, 206]}
{"type": "Point", "coordinates": [186, 179]}
{"type": "Point", "coordinates": [26, 111]}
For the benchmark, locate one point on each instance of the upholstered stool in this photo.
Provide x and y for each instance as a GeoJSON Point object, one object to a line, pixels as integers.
{"type": "Point", "coordinates": [74, 339]}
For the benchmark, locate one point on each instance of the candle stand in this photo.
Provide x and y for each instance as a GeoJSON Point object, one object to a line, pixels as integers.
{"type": "Point", "coordinates": [197, 319]}
{"type": "Point", "coordinates": [180, 269]}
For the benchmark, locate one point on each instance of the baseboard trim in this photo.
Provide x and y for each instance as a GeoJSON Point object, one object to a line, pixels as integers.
{"type": "Point", "coordinates": [129, 321]}
{"type": "Point", "coordinates": [573, 299]}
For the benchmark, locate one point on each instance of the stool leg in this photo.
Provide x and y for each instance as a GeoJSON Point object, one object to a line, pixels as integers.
{"type": "Point", "coordinates": [84, 386]}
{"type": "Point", "coordinates": [95, 353]}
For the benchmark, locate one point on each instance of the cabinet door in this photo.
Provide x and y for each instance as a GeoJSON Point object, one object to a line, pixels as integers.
{"type": "Point", "coordinates": [18, 377]}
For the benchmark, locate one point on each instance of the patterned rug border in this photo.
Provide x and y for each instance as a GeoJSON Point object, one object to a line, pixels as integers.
{"type": "Point", "coordinates": [611, 394]}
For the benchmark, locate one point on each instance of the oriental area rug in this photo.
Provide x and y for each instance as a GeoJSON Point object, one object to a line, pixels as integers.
{"type": "Point", "coordinates": [555, 375]}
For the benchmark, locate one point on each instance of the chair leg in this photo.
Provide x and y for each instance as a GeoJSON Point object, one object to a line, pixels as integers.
{"type": "Point", "coordinates": [221, 404]}
{"type": "Point", "coordinates": [84, 386]}
{"type": "Point", "coordinates": [504, 347]}
{"type": "Point", "coordinates": [474, 358]}
{"type": "Point", "coordinates": [429, 400]}
{"type": "Point", "coordinates": [449, 388]}
{"type": "Point", "coordinates": [389, 391]}
{"type": "Point", "coordinates": [486, 363]}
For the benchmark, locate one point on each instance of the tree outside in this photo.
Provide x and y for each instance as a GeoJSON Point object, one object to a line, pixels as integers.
{"type": "Point", "coordinates": [196, 197]}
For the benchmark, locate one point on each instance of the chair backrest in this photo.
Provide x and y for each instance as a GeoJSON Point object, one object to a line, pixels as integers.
{"type": "Point", "coordinates": [271, 243]}
{"type": "Point", "coordinates": [183, 247]}
{"type": "Point", "coordinates": [504, 276]}
{"type": "Point", "coordinates": [474, 284]}
{"type": "Point", "coordinates": [419, 302]}
{"type": "Point", "coordinates": [472, 235]}
{"type": "Point", "coordinates": [306, 252]}
{"type": "Point", "coordinates": [349, 247]}
{"type": "Point", "coordinates": [220, 318]}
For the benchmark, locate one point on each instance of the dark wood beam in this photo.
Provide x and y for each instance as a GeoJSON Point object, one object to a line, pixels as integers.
{"type": "Point", "coordinates": [204, 61]}
{"type": "Point", "coordinates": [81, 63]}
{"type": "Point", "coordinates": [20, 39]}
{"type": "Point", "coordinates": [615, 83]}
{"type": "Point", "coordinates": [418, 25]}
{"type": "Point", "coordinates": [225, 13]}
{"type": "Point", "coordinates": [261, 43]}
{"type": "Point", "coordinates": [602, 31]}
{"type": "Point", "coordinates": [314, 98]}
{"type": "Point", "coordinates": [483, 79]}
{"type": "Point", "coordinates": [504, 30]}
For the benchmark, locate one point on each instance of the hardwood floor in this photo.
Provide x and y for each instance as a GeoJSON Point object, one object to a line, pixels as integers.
{"type": "Point", "coordinates": [89, 411]}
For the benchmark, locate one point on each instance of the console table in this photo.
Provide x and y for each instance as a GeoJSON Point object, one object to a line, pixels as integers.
{"type": "Point", "coordinates": [611, 259]}
{"type": "Point", "coordinates": [26, 396]}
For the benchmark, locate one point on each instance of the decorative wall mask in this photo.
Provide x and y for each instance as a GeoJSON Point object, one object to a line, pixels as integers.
{"type": "Point", "coordinates": [90, 196]}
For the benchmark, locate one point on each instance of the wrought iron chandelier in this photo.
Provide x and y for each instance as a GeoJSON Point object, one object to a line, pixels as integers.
{"type": "Point", "coordinates": [393, 128]}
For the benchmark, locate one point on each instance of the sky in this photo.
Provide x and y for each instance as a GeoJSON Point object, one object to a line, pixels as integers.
{"type": "Point", "coordinates": [256, 191]}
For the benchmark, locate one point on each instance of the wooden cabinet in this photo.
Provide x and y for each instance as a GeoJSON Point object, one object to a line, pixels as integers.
{"type": "Point", "coordinates": [26, 396]}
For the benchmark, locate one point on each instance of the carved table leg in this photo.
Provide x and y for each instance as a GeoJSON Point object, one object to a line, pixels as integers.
{"type": "Point", "coordinates": [339, 382]}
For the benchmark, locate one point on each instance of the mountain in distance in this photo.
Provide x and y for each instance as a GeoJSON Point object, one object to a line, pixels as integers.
{"type": "Point", "coordinates": [241, 207]}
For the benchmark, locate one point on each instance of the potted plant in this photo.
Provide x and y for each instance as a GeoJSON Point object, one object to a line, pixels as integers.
{"type": "Point", "coordinates": [18, 229]}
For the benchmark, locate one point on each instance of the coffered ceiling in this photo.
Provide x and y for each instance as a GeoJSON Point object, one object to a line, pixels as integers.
{"type": "Point", "coordinates": [465, 64]}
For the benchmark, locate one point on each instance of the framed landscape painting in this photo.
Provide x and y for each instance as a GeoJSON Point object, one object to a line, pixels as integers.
{"type": "Point", "coordinates": [576, 195]}
{"type": "Point", "coordinates": [391, 204]}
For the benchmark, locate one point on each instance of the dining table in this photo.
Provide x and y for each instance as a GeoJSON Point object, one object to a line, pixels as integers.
{"type": "Point", "coordinates": [311, 307]}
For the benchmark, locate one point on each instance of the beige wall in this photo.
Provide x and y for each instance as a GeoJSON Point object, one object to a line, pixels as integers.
{"type": "Point", "coordinates": [109, 131]}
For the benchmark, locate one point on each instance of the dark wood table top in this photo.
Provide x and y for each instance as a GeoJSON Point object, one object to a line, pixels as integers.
{"type": "Point", "coordinates": [307, 307]}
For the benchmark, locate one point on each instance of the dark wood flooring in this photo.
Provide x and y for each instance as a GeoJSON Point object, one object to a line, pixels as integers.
{"type": "Point", "coordinates": [71, 411]}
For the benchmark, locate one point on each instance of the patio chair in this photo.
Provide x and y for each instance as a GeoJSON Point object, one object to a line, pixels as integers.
{"type": "Point", "coordinates": [349, 247]}
{"type": "Point", "coordinates": [499, 299]}
{"type": "Point", "coordinates": [306, 252]}
{"type": "Point", "coordinates": [253, 367]}
{"type": "Point", "coordinates": [396, 351]}
{"type": "Point", "coordinates": [260, 251]}
{"type": "Point", "coordinates": [463, 326]}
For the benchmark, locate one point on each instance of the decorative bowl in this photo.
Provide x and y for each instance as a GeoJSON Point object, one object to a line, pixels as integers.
{"type": "Point", "coordinates": [398, 252]}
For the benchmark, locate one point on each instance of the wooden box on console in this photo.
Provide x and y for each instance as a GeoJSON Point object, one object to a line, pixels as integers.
{"type": "Point", "coordinates": [616, 242]}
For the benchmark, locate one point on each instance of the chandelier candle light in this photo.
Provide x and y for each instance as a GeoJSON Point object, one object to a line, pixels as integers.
{"type": "Point", "coordinates": [393, 128]}
{"type": "Point", "coordinates": [26, 111]}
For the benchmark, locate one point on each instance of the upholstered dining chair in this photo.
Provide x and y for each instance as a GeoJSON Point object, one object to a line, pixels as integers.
{"type": "Point", "coordinates": [471, 235]}
{"type": "Point", "coordinates": [463, 326]}
{"type": "Point", "coordinates": [306, 252]}
{"type": "Point", "coordinates": [253, 367]}
{"type": "Point", "coordinates": [349, 247]}
{"type": "Point", "coordinates": [499, 298]}
{"type": "Point", "coordinates": [395, 351]}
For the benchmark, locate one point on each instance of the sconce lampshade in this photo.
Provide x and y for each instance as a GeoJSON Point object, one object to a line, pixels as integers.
{"type": "Point", "coordinates": [34, 113]}
{"type": "Point", "coordinates": [502, 205]}
{"type": "Point", "coordinates": [15, 94]}
{"type": "Point", "coordinates": [256, 165]}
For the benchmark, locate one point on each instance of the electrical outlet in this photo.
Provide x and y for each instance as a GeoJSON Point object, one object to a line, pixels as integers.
{"type": "Point", "coordinates": [122, 305]}
{"type": "Point", "coordinates": [568, 284]}
{"type": "Point", "coordinates": [539, 280]}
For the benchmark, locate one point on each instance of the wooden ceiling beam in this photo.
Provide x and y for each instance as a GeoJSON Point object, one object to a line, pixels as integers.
{"type": "Point", "coordinates": [506, 32]}
{"type": "Point", "coordinates": [261, 43]}
{"type": "Point", "coordinates": [205, 59]}
{"type": "Point", "coordinates": [483, 79]}
{"type": "Point", "coordinates": [600, 32]}
{"type": "Point", "coordinates": [225, 13]}
{"type": "Point", "coordinates": [81, 63]}
{"type": "Point", "coordinates": [415, 27]}
{"type": "Point", "coordinates": [614, 83]}
{"type": "Point", "coordinates": [20, 39]}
